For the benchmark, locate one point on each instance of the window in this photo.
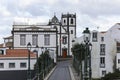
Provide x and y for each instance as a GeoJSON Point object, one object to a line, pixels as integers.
{"type": "Point", "coordinates": [102, 62]}
{"type": "Point", "coordinates": [64, 40]}
{"type": "Point", "coordinates": [11, 65]}
{"type": "Point", "coordinates": [47, 39]}
{"type": "Point", "coordinates": [118, 47]}
{"type": "Point", "coordinates": [1, 65]}
{"type": "Point", "coordinates": [94, 37]}
{"type": "Point", "coordinates": [34, 39]}
{"type": "Point", "coordinates": [71, 31]}
{"type": "Point", "coordinates": [23, 65]}
{"type": "Point", "coordinates": [102, 38]}
{"type": "Point", "coordinates": [103, 73]}
{"type": "Point", "coordinates": [118, 61]}
{"type": "Point", "coordinates": [22, 39]}
{"type": "Point", "coordinates": [1, 52]}
{"type": "Point", "coordinates": [64, 21]}
{"type": "Point", "coordinates": [102, 49]}
{"type": "Point", "coordinates": [71, 21]}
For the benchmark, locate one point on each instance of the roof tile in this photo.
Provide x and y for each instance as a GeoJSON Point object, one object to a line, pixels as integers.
{"type": "Point", "coordinates": [18, 53]}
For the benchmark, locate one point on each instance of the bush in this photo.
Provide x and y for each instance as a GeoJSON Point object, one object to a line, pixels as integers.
{"type": "Point", "coordinates": [111, 76]}
{"type": "Point", "coordinates": [78, 51]}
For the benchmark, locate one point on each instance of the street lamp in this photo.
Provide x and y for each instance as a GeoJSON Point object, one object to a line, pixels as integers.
{"type": "Point", "coordinates": [86, 35]}
{"type": "Point", "coordinates": [29, 71]}
{"type": "Point", "coordinates": [90, 49]}
{"type": "Point", "coordinates": [37, 49]}
{"type": "Point", "coordinates": [42, 49]}
{"type": "Point", "coordinates": [87, 61]}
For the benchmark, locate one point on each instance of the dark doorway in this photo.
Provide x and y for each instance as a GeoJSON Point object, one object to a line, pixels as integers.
{"type": "Point", "coordinates": [64, 52]}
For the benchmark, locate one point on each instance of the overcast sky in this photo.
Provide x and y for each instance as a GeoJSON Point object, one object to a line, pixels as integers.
{"type": "Point", "coordinates": [90, 13]}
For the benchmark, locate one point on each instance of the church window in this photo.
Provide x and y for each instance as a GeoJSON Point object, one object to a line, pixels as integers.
{"type": "Point", "coordinates": [71, 21]}
{"type": "Point", "coordinates": [22, 39]}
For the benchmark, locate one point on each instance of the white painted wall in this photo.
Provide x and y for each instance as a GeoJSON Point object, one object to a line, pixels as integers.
{"type": "Point", "coordinates": [29, 39]}
{"type": "Point", "coordinates": [110, 38]}
{"type": "Point", "coordinates": [17, 62]}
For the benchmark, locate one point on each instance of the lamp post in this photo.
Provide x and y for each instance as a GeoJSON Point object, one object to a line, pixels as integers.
{"type": "Point", "coordinates": [29, 71]}
{"type": "Point", "coordinates": [37, 49]}
{"type": "Point", "coordinates": [90, 49]}
{"type": "Point", "coordinates": [87, 61]}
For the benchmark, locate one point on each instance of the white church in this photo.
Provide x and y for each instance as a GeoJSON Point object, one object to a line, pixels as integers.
{"type": "Point", "coordinates": [56, 34]}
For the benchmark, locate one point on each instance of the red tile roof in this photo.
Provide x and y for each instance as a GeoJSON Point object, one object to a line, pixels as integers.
{"type": "Point", "coordinates": [18, 53]}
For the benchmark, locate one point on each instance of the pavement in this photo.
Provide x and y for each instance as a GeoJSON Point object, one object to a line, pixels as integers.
{"type": "Point", "coordinates": [74, 73]}
{"type": "Point", "coordinates": [46, 78]}
{"type": "Point", "coordinates": [63, 71]}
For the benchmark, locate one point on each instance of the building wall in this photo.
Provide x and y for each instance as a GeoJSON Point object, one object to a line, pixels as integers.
{"type": "Point", "coordinates": [17, 62]}
{"type": "Point", "coordinates": [41, 40]}
{"type": "Point", "coordinates": [111, 61]}
{"type": "Point", "coordinates": [29, 39]}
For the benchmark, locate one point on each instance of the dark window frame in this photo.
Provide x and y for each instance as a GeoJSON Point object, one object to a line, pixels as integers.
{"type": "Point", "coordinates": [64, 21]}
{"type": "Point", "coordinates": [1, 65]}
{"type": "Point", "coordinates": [71, 21]}
{"type": "Point", "coordinates": [11, 65]}
{"type": "Point", "coordinates": [71, 31]}
{"type": "Point", "coordinates": [102, 38]}
{"type": "Point", "coordinates": [64, 39]}
{"type": "Point", "coordinates": [118, 47]}
{"type": "Point", "coordinates": [118, 61]}
{"type": "Point", "coordinates": [22, 39]}
{"type": "Point", "coordinates": [1, 52]}
{"type": "Point", "coordinates": [94, 36]}
{"type": "Point", "coordinates": [102, 62]}
{"type": "Point", "coordinates": [34, 39]}
{"type": "Point", "coordinates": [23, 65]}
{"type": "Point", "coordinates": [102, 49]}
{"type": "Point", "coordinates": [103, 72]}
{"type": "Point", "coordinates": [46, 39]}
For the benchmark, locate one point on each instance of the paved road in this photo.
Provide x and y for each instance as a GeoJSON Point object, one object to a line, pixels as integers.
{"type": "Point", "coordinates": [61, 72]}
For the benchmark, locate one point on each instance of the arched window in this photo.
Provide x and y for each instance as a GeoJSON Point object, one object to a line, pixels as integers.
{"type": "Point", "coordinates": [71, 21]}
{"type": "Point", "coordinates": [64, 21]}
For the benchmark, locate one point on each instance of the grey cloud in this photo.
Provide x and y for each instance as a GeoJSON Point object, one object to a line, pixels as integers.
{"type": "Point", "coordinates": [87, 11]}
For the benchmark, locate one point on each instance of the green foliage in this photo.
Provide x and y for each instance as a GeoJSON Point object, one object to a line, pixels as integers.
{"type": "Point", "coordinates": [43, 60]}
{"type": "Point", "coordinates": [111, 76]}
{"type": "Point", "coordinates": [96, 79]}
{"type": "Point", "coordinates": [78, 51]}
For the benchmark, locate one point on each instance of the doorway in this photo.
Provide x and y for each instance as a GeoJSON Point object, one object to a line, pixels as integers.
{"type": "Point", "coordinates": [64, 52]}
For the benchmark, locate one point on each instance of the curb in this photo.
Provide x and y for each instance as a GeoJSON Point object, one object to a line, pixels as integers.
{"type": "Point", "coordinates": [71, 73]}
{"type": "Point", "coordinates": [46, 78]}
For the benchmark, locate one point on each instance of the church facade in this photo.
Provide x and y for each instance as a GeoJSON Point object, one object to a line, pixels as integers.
{"type": "Point", "coordinates": [56, 35]}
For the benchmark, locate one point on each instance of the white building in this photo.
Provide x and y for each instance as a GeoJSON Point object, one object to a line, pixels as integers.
{"type": "Point", "coordinates": [105, 55]}
{"type": "Point", "coordinates": [56, 35]}
{"type": "Point", "coordinates": [16, 59]}
{"type": "Point", "coordinates": [41, 35]}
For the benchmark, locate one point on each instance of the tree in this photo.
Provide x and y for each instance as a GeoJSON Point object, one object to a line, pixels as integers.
{"type": "Point", "coordinates": [78, 51]}
{"type": "Point", "coordinates": [43, 59]}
